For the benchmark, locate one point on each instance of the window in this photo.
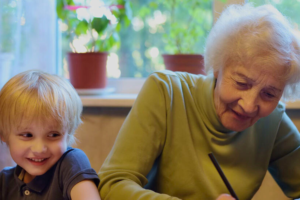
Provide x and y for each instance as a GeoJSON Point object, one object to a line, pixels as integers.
{"type": "Point", "coordinates": [156, 27]}
{"type": "Point", "coordinates": [290, 9]}
{"type": "Point", "coordinates": [27, 37]}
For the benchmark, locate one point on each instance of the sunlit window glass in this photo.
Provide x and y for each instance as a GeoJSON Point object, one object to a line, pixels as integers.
{"type": "Point", "coordinates": [155, 28]}
{"type": "Point", "coordinates": [27, 37]}
{"type": "Point", "coordinates": [290, 9]}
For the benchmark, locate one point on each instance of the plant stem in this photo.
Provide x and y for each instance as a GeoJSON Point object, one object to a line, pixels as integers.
{"type": "Point", "coordinates": [177, 40]}
{"type": "Point", "coordinates": [191, 18]}
{"type": "Point", "coordinates": [93, 39]}
{"type": "Point", "coordinates": [91, 31]}
{"type": "Point", "coordinates": [70, 31]}
{"type": "Point", "coordinates": [173, 11]}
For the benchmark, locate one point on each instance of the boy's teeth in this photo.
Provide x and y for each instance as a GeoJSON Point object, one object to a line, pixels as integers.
{"type": "Point", "coordinates": [37, 160]}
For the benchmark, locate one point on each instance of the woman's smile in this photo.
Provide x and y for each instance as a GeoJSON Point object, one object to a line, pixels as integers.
{"type": "Point", "coordinates": [243, 95]}
{"type": "Point", "coordinates": [240, 117]}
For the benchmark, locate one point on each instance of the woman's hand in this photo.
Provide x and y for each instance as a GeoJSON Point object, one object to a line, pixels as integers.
{"type": "Point", "coordinates": [225, 197]}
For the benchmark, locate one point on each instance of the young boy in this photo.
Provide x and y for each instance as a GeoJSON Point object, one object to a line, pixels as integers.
{"type": "Point", "coordinates": [39, 114]}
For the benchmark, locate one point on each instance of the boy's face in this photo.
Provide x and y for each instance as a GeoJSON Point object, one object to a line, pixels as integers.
{"type": "Point", "coordinates": [36, 147]}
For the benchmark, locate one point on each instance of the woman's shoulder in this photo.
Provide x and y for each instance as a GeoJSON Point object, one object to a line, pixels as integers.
{"type": "Point", "coordinates": [171, 77]}
{"type": "Point", "coordinates": [280, 108]}
{"type": "Point", "coordinates": [277, 114]}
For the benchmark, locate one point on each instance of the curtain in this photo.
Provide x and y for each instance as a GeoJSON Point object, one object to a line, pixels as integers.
{"type": "Point", "coordinates": [27, 37]}
{"type": "Point", "coordinates": [27, 41]}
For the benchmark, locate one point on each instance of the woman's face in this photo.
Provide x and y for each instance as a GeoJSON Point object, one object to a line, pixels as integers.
{"type": "Point", "coordinates": [242, 96]}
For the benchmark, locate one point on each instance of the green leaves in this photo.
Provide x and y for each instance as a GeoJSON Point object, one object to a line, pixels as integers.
{"type": "Point", "coordinates": [108, 43]}
{"type": "Point", "coordinates": [188, 22]}
{"type": "Point", "coordinates": [100, 24]}
{"type": "Point", "coordinates": [107, 37]}
{"type": "Point", "coordinates": [81, 27]}
{"type": "Point", "coordinates": [60, 8]}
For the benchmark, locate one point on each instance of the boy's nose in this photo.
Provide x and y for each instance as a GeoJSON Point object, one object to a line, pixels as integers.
{"type": "Point", "coordinates": [38, 147]}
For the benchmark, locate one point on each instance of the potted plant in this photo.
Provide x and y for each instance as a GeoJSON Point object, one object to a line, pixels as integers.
{"type": "Point", "coordinates": [185, 29]}
{"type": "Point", "coordinates": [92, 31]}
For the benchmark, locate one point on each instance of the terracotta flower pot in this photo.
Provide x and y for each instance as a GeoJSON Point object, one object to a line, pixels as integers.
{"type": "Point", "coordinates": [88, 70]}
{"type": "Point", "coordinates": [192, 63]}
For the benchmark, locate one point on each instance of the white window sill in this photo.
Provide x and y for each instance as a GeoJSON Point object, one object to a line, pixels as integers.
{"type": "Point", "coordinates": [109, 100]}
{"type": "Point", "coordinates": [124, 96]}
{"type": "Point", "coordinates": [126, 92]}
{"type": "Point", "coordinates": [127, 100]}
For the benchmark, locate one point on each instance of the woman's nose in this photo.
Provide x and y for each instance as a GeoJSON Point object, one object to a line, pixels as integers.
{"type": "Point", "coordinates": [249, 103]}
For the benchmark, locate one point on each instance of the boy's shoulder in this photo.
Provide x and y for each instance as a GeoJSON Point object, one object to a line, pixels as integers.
{"type": "Point", "coordinates": [73, 167]}
{"type": "Point", "coordinates": [7, 180]}
{"type": "Point", "coordinates": [72, 160]}
{"type": "Point", "coordinates": [73, 155]}
{"type": "Point", "coordinates": [74, 151]}
{"type": "Point", "coordinates": [7, 173]}
{"type": "Point", "coordinates": [56, 183]}
{"type": "Point", "coordinates": [8, 170]}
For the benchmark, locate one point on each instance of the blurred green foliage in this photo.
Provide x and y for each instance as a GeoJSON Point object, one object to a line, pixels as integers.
{"type": "Point", "coordinates": [108, 34]}
{"type": "Point", "coordinates": [187, 25]}
{"type": "Point", "coordinates": [186, 30]}
{"type": "Point", "coordinates": [151, 32]}
{"type": "Point", "coordinates": [288, 8]}
{"type": "Point", "coordinates": [9, 26]}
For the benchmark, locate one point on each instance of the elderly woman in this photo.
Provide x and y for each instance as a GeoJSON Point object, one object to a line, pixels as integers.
{"type": "Point", "coordinates": [252, 59]}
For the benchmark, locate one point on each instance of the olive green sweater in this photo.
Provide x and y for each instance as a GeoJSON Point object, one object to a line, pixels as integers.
{"type": "Point", "coordinates": [166, 138]}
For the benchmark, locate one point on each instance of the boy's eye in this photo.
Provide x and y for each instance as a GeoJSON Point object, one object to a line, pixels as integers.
{"type": "Point", "coordinates": [54, 135]}
{"type": "Point", "coordinates": [26, 135]}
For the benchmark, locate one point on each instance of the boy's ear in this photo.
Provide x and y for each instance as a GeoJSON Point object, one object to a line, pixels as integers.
{"type": "Point", "coordinates": [216, 74]}
{"type": "Point", "coordinates": [2, 139]}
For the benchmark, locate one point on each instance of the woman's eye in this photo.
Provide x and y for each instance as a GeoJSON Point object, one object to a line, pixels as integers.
{"type": "Point", "coordinates": [242, 84]}
{"type": "Point", "coordinates": [269, 95]}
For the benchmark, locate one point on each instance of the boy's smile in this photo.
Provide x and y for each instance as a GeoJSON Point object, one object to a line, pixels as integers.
{"type": "Point", "coordinates": [36, 146]}
{"type": "Point", "coordinates": [38, 161]}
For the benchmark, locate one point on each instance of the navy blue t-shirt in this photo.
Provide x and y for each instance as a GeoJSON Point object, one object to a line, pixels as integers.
{"type": "Point", "coordinates": [56, 184]}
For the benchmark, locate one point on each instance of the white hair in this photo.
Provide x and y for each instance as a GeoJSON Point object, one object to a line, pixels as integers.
{"type": "Point", "coordinates": [249, 36]}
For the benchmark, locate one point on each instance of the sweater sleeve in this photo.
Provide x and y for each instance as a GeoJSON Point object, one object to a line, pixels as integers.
{"type": "Point", "coordinates": [138, 144]}
{"type": "Point", "coordinates": [285, 161]}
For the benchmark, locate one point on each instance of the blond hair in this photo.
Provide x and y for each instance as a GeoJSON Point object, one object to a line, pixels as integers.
{"type": "Point", "coordinates": [36, 95]}
{"type": "Point", "coordinates": [261, 36]}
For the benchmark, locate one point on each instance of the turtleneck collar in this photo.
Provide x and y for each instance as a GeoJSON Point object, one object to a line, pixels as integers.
{"type": "Point", "coordinates": [205, 100]}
